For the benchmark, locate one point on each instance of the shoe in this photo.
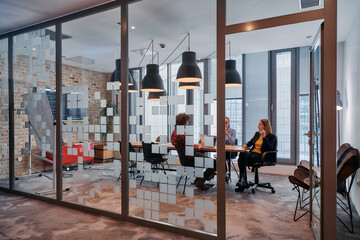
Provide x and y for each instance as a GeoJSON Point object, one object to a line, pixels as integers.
{"type": "Point", "coordinates": [239, 189]}
{"type": "Point", "coordinates": [241, 183]}
{"type": "Point", "coordinates": [199, 183]}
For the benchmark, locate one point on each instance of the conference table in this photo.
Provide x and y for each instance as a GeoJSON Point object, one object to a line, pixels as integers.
{"type": "Point", "coordinates": [170, 146]}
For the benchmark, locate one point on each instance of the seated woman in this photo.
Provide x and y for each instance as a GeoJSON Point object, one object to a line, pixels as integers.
{"type": "Point", "coordinates": [179, 141]}
{"type": "Point", "coordinates": [262, 141]}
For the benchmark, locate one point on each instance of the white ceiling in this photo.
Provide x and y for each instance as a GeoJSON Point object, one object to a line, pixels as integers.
{"type": "Point", "coordinates": [164, 21]}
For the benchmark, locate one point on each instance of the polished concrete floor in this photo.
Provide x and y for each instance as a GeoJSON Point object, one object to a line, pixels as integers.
{"type": "Point", "coordinates": [261, 216]}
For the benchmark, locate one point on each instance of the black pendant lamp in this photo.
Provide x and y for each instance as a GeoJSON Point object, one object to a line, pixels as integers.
{"type": "Point", "coordinates": [132, 88]}
{"type": "Point", "coordinates": [155, 96]}
{"type": "Point", "coordinates": [190, 85]}
{"type": "Point", "coordinates": [189, 71]}
{"type": "Point", "coordinates": [152, 81]}
{"type": "Point", "coordinates": [232, 78]}
{"type": "Point", "coordinates": [116, 75]}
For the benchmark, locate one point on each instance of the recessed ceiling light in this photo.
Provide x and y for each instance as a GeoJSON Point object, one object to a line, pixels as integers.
{"type": "Point", "coordinates": [308, 36]}
{"type": "Point", "coordinates": [132, 27]}
{"type": "Point", "coordinates": [34, 49]}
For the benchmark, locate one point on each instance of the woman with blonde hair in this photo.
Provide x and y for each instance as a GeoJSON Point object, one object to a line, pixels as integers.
{"type": "Point", "coordinates": [262, 141]}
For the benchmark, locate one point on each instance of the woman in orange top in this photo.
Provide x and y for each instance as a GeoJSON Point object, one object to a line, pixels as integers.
{"type": "Point", "coordinates": [262, 141]}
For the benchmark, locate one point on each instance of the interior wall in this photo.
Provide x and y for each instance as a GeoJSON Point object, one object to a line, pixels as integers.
{"type": "Point", "coordinates": [351, 97]}
{"type": "Point", "coordinates": [71, 76]}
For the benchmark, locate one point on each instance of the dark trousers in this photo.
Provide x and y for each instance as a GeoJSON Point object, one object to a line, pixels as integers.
{"type": "Point", "coordinates": [247, 159]}
{"type": "Point", "coordinates": [209, 172]}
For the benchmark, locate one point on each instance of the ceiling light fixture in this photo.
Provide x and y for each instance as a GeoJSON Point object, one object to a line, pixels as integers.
{"type": "Point", "coordinates": [232, 76]}
{"type": "Point", "coordinates": [189, 85]}
{"type": "Point", "coordinates": [189, 71]}
{"type": "Point", "coordinates": [132, 27]}
{"type": "Point", "coordinates": [155, 96]}
{"type": "Point", "coordinates": [152, 81]}
{"type": "Point", "coordinates": [116, 75]}
{"type": "Point", "coordinates": [132, 88]}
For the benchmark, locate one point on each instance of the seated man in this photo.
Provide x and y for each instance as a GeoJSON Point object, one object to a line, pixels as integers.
{"type": "Point", "coordinates": [179, 141]}
{"type": "Point", "coordinates": [230, 133]}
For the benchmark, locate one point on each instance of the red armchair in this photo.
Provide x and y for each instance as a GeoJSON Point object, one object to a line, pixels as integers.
{"type": "Point", "coordinates": [67, 159]}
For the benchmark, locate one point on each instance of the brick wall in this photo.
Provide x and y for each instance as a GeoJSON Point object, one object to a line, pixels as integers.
{"type": "Point", "coordinates": [72, 76]}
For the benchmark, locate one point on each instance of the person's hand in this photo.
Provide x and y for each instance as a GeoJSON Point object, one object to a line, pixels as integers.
{"type": "Point", "coordinates": [226, 132]}
{"type": "Point", "coordinates": [263, 133]}
{"type": "Point", "coordinates": [245, 146]}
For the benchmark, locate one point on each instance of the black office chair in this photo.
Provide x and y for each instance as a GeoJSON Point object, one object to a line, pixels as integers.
{"type": "Point", "coordinates": [230, 164]}
{"type": "Point", "coordinates": [184, 162]}
{"type": "Point", "coordinates": [156, 159]}
{"type": "Point", "coordinates": [267, 159]}
{"type": "Point", "coordinates": [132, 164]}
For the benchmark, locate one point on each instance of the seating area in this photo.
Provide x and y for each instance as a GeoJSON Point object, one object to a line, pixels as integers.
{"type": "Point", "coordinates": [348, 161]}
{"type": "Point", "coordinates": [70, 155]}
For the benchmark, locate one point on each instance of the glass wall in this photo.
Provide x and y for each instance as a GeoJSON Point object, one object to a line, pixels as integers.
{"type": "Point", "coordinates": [34, 105]}
{"type": "Point", "coordinates": [91, 110]}
{"type": "Point", "coordinates": [304, 104]}
{"type": "Point", "coordinates": [170, 186]}
{"type": "Point", "coordinates": [4, 117]}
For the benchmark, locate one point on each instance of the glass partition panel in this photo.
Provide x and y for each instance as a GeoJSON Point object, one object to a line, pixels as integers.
{"type": "Point", "coordinates": [172, 170]}
{"type": "Point", "coordinates": [304, 104]}
{"type": "Point", "coordinates": [260, 91]}
{"type": "Point", "coordinates": [34, 106]}
{"type": "Point", "coordinates": [4, 114]}
{"type": "Point", "coordinates": [91, 110]}
{"type": "Point", "coordinates": [315, 123]}
{"type": "Point", "coordinates": [240, 11]}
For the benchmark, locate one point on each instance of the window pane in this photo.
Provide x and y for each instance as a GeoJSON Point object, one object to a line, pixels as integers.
{"type": "Point", "coordinates": [233, 110]}
{"type": "Point", "coordinates": [283, 102]}
{"type": "Point", "coordinates": [304, 121]}
{"type": "Point", "coordinates": [256, 91]}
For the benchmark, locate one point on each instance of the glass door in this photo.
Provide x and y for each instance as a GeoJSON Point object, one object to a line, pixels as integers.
{"type": "Point", "coordinates": [314, 133]}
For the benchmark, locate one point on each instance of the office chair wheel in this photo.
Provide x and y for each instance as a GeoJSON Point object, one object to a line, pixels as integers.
{"type": "Point", "coordinates": [253, 191]}
{"type": "Point", "coordinates": [272, 190]}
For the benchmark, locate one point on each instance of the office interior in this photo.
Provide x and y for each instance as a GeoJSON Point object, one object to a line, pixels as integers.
{"type": "Point", "coordinates": [99, 58]}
